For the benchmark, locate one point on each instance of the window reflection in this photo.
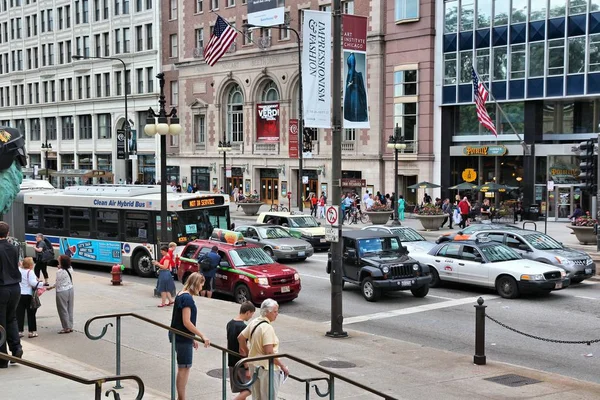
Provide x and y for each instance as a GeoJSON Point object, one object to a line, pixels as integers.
{"type": "Point", "coordinates": [451, 16]}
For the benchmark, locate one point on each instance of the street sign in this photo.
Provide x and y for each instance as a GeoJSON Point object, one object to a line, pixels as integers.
{"type": "Point", "coordinates": [332, 234]}
{"type": "Point", "coordinates": [332, 215]}
{"type": "Point", "coordinates": [550, 186]}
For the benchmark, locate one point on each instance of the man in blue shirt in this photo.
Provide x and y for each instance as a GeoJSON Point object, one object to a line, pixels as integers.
{"type": "Point", "coordinates": [209, 273]}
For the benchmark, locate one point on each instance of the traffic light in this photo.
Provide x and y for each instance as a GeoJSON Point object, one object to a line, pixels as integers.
{"type": "Point", "coordinates": [588, 165]}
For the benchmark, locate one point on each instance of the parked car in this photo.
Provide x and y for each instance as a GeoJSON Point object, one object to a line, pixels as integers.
{"type": "Point", "coordinates": [540, 247]}
{"type": "Point", "coordinates": [378, 263]}
{"type": "Point", "coordinates": [410, 238]}
{"type": "Point", "coordinates": [486, 263]}
{"type": "Point", "coordinates": [276, 241]}
{"type": "Point", "coordinates": [302, 226]}
{"type": "Point", "coordinates": [465, 234]}
{"type": "Point", "coordinates": [246, 272]}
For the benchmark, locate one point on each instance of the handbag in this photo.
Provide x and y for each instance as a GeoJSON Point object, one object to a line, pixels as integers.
{"type": "Point", "coordinates": [35, 299]}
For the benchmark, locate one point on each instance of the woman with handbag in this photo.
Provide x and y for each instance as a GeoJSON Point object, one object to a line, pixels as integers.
{"type": "Point", "coordinates": [64, 292]}
{"type": "Point", "coordinates": [42, 254]}
{"type": "Point", "coordinates": [166, 285]}
{"type": "Point", "coordinates": [29, 288]}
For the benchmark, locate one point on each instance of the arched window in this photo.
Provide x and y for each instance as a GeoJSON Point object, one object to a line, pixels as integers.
{"type": "Point", "coordinates": [270, 93]}
{"type": "Point", "coordinates": [235, 114]}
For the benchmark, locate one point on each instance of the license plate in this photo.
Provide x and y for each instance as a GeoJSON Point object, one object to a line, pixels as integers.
{"type": "Point", "coordinates": [588, 271]}
{"type": "Point", "coordinates": [301, 254]}
{"type": "Point", "coordinates": [323, 240]}
{"type": "Point", "coordinates": [558, 285]}
{"type": "Point", "coordinates": [285, 289]}
{"type": "Point", "coordinates": [406, 283]}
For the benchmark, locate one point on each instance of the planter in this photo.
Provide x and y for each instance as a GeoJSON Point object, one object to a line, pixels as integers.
{"type": "Point", "coordinates": [431, 222]}
{"type": "Point", "coordinates": [585, 234]}
{"type": "Point", "coordinates": [250, 208]}
{"type": "Point", "coordinates": [379, 217]}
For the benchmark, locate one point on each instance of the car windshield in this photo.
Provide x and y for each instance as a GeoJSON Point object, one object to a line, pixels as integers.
{"type": "Point", "coordinates": [379, 246]}
{"type": "Point", "coordinates": [274, 233]}
{"type": "Point", "coordinates": [408, 235]}
{"type": "Point", "coordinates": [499, 252]}
{"type": "Point", "coordinates": [542, 242]}
{"type": "Point", "coordinates": [250, 256]}
{"type": "Point", "coordinates": [304, 222]}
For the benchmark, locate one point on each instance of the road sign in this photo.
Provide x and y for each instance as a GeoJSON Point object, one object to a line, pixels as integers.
{"type": "Point", "coordinates": [332, 215]}
{"type": "Point", "coordinates": [332, 234]}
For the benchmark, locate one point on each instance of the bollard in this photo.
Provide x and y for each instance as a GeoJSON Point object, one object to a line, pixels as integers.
{"type": "Point", "coordinates": [479, 358]}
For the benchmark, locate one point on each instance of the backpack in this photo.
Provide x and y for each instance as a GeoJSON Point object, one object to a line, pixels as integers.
{"type": "Point", "coordinates": [205, 264]}
{"type": "Point", "coordinates": [48, 253]}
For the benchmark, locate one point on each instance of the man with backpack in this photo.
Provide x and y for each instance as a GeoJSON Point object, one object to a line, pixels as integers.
{"type": "Point", "coordinates": [208, 267]}
{"type": "Point", "coordinates": [44, 253]}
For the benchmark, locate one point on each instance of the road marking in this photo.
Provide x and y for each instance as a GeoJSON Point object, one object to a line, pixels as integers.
{"type": "Point", "coordinates": [414, 310]}
{"type": "Point", "coordinates": [587, 298]}
{"type": "Point", "coordinates": [314, 276]}
{"type": "Point", "coordinates": [440, 297]}
{"type": "Point", "coordinates": [588, 283]}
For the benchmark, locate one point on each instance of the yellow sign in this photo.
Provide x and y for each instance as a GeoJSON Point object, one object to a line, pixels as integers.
{"type": "Point", "coordinates": [491, 150]}
{"type": "Point", "coordinates": [4, 136]}
{"type": "Point", "coordinates": [469, 175]}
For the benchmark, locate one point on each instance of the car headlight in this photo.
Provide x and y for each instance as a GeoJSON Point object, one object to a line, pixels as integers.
{"type": "Point", "coordinates": [563, 273]}
{"type": "Point", "coordinates": [296, 276]}
{"type": "Point", "coordinates": [415, 267]}
{"type": "Point", "coordinates": [588, 261]}
{"type": "Point", "coordinates": [532, 277]}
{"type": "Point", "coordinates": [262, 281]}
{"type": "Point", "coordinates": [385, 269]}
{"type": "Point", "coordinates": [564, 261]}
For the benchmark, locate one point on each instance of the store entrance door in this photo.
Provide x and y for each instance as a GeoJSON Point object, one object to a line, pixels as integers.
{"type": "Point", "coordinates": [562, 201]}
{"type": "Point", "coordinates": [269, 190]}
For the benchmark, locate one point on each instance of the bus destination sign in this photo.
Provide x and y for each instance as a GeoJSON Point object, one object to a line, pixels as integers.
{"type": "Point", "coordinates": [203, 202]}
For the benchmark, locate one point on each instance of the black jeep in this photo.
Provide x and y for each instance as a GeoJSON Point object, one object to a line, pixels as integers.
{"type": "Point", "coordinates": [378, 262]}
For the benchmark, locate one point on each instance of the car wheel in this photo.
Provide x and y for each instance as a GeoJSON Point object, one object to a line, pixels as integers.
{"type": "Point", "coordinates": [435, 278]}
{"type": "Point", "coordinates": [269, 251]}
{"type": "Point", "coordinates": [142, 265]}
{"type": "Point", "coordinates": [242, 294]}
{"type": "Point", "coordinates": [506, 287]}
{"type": "Point", "coordinates": [420, 292]}
{"type": "Point", "coordinates": [368, 289]}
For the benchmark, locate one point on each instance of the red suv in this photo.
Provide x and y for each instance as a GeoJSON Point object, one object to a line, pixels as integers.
{"type": "Point", "coordinates": [246, 272]}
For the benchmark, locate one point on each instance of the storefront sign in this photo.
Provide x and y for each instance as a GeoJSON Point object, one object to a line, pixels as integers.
{"type": "Point", "coordinates": [498, 150]}
{"type": "Point", "coordinates": [352, 182]}
{"type": "Point", "coordinates": [267, 122]}
{"type": "Point", "coordinates": [293, 143]}
{"type": "Point", "coordinates": [469, 175]}
{"type": "Point", "coordinates": [564, 173]}
{"type": "Point", "coordinates": [265, 13]}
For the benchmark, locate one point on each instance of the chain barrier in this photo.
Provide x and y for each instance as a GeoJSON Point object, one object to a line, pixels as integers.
{"type": "Point", "coordinates": [588, 342]}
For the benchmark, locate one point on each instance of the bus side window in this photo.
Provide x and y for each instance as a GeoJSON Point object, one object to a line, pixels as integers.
{"type": "Point", "coordinates": [54, 218]}
{"type": "Point", "coordinates": [108, 224]}
{"type": "Point", "coordinates": [33, 217]}
{"type": "Point", "coordinates": [136, 226]}
{"type": "Point", "coordinates": [79, 222]}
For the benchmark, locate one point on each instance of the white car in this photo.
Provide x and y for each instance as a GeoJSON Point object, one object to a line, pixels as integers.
{"type": "Point", "coordinates": [493, 265]}
{"type": "Point", "coordinates": [411, 239]}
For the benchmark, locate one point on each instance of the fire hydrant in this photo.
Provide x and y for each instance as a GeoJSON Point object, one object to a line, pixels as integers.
{"type": "Point", "coordinates": [116, 274]}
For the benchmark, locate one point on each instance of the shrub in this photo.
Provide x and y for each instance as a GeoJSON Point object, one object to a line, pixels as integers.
{"type": "Point", "coordinates": [430, 209]}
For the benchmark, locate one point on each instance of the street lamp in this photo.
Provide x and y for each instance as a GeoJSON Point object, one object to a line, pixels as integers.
{"type": "Point", "coordinates": [126, 126]}
{"type": "Point", "coordinates": [396, 142]}
{"type": "Point", "coordinates": [168, 124]}
{"type": "Point", "coordinates": [224, 146]}
{"type": "Point", "coordinates": [46, 148]}
{"type": "Point", "coordinates": [300, 111]}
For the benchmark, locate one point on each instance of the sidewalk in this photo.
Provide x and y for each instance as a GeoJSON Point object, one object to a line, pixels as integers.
{"type": "Point", "coordinates": [401, 369]}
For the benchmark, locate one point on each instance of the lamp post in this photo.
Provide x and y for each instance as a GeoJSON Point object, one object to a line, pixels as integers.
{"type": "Point", "coordinates": [46, 148]}
{"type": "Point", "coordinates": [396, 142]}
{"type": "Point", "coordinates": [126, 125]}
{"type": "Point", "coordinates": [224, 146]}
{"type": "Point", "coordinates": [300, 193]}
{"type": "Point", "coordinates": [168, 124]}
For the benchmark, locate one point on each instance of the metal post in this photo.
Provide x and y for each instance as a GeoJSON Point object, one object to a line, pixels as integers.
{"type": "Point", "coordinates": [164, 235]}
{"type": "Point", "coordinates": [224, 167]}
{"type": "Point", "coordinates": [479, 357]}
{"type": "Point", "coordinates": [337, 317]}
{"type": "Point", "coordinates": [118, 334]}
{"type": "Point", "coordinates": [173, 367]}
{"type": "Point", "coordinates": [224, 375]}
{"type": "Point", "coordinates": [598, 188]}
{"type": "Point", "coordinates": [271, 373]}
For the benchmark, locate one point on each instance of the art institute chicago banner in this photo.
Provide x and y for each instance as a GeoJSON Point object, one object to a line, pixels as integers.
{"type": "Point", "coordinates": [354, 44]}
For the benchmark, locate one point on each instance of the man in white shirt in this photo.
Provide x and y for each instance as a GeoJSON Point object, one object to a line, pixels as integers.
{"type": "Point", "coordinates": [369, 202]}
{"type": "Point", "coordinates": [366, 196]}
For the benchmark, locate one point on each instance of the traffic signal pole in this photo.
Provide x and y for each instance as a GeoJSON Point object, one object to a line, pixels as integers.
{"type": "Point", "coordinates": [597, 193]}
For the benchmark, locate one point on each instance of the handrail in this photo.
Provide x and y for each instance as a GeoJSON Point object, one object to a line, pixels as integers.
{"type": "Point", "coordinates": [308, 381]}
{"type": "Point", "coordinates": [96, 382]}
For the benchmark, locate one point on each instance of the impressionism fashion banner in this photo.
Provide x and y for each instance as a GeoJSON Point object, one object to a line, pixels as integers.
{"type": "Point", "coordinates": [354, 44]}
{"type": "Point", "coordinates": [316, 69]}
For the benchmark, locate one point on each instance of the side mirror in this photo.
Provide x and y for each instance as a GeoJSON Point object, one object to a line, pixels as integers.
{"type": "Point", "coordinates": [524, 247]}
{"type": "Point", "coordinates": [478, 259]}
{"type": "Point", "coordinates": [351, 254]}
{"type": "Point", "coordinates": [224, 264]}
{"type": "Point", "coordinates": [318, 223]}
{"type": "Point", "coordinates": [404, 249]}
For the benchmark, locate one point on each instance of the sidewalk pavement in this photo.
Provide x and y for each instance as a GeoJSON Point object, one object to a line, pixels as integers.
{"type": "Point", "coordinates": [401, 369]}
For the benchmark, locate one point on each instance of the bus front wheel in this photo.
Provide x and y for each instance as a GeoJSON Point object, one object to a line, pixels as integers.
{"type": "Point", "coordinates": [142, 265]}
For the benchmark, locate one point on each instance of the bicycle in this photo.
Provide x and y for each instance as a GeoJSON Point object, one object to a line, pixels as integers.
{"type": "Point", "coordinates": [355, 215]}
{"type": "Point", "coordinates": [278, 207]}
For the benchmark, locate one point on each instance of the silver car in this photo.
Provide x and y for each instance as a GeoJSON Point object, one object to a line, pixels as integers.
{"type": "Point", "coordinates": [277, 242]}
{"type": "Point", "coordinates": [537, 246]}
{"type": "Point", "coordinates": [414, 242]}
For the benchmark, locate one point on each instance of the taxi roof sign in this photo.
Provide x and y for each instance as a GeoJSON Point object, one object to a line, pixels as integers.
{"type": "Point", "coordinates": [227, 236]}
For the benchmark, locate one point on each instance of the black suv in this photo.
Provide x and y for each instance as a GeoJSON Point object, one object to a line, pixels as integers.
{"type": "Point", "coordinates": [378, 262]}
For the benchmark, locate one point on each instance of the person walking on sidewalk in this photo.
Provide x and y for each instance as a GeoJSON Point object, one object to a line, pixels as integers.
{"type": "Point", "coordinates": [465, 208]}
{"type": "Point", "coordinates": [65, 295]}
{"type": "Point", "coordinates": [313, 204]}
{"type": "Point", "coordinates": [321, 207]}
{"type": "Point", "coordinates": [42, 248]}
{"type": "Point", "coordinates": [166, 286]}
{"type": "Point", "coordinates": [401, 205]}
{"type": "Point", "coordinates": [184, 320]}
{"type": "Point", "coordinates": [29, 283]}
{"type": "Point", "coordinates": [234, 328]}
{"type": "Point", "coordinates": [10, 292]}
{"type": "Point", "coordinates": [259, 339]}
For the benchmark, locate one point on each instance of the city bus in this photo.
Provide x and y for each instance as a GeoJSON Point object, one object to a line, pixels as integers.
{"type": "Point", "coordinates": [115, 224]}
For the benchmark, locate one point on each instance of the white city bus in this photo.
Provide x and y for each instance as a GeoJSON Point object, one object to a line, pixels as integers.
{"type": "Point", "coordinates": [115, 224]}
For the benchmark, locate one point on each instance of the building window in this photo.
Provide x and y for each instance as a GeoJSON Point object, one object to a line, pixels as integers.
{"type": "Point", "coordinates": [117, 41]}
{"type": "Point", "coordinates": [150, 77]}
{"type": "Point", "coordinates": [69, 88]}
{"type": "Point", "coordinates": [349, 135]}
{"type": "Point", "coordinates": [483, 64]}
{"type": "Point", "coordinates": [126, 40]}
{"type": "Point", "coordinates": [248, 37]}
{"type": "Point", "coordinates": [117, 8]}
{"type": "Point", "coordinates": [67, 128]}
{"type": "Point", "coordinates": [517, 61]}
{"type": "Point", "coordinates": [85, 127]}
{"type": "Point", "coordinates": [578, 6]}
{"type": "Point", "coordinates": [214, 4]}
{"type": "Point", "coordinates": [270, 93]}
{"type": "Point", "coordinates": [139, 72]}
{"type": "Point", "coordinates": [106, 41]}
{"type": "Point", "coordinates": [519, 10]}
{"type": "Point", "coordinates": [235, 114]}
{"type": "Point", "coordinates": [34, 129]}
{"type": "Point", "coordinates": [577, 55]}
{"type": "Point", "coordinates": [138, 5]}
{"type": "Point", "coordinates": [230, 3]}
{"type": "Point", "coordinates": [200, 129]}
{"type": "Point", "coordinates": [139, 39]}
{"type": "Point", "coordinates": [119, 83]}
{"type": "Point", "coordinates": [128, 81]}
{"type": "Point", "coordinates": [106, 84]}
{"type": "Point", "coordinates": [348, 6]}
{"type": "Point", "coordinates": [406, 9]}
{"type": "Point", "coordinates": [98, 78]}
{"type": "Point", "coordinates": [148, 36]}
{"type": "Point", "coordinates": [173, 9]}
{"type": "Point", "coordinates": [466, 65]}
{"type": "Point", "coordinates": [173, 47]}
{"type": "Point", "coordinates": [148, 4]}
{"type": "Point", "coordinates": [405, 117]}
{"type": "Point", "coordinates": [556, 57]}
{"type": "Point", "coordinates": [500, 63]}
{"type": "Point", "coordinates": [405, 83]}
{"type": "Point", "coordinates": [79, 87]}
{"type": "Point", "coordinates": [200, 38]}
{"type": "Point", "coordinates": [199, 6]}
{"type": "Point", "coordinates": [85, 12]}
{"type": "Point", "coordinates": [104, 126]}
{"type": "Point", "coordinates": [125, 7]}
{"type": "Point", "coordinates": [88, 87]}
{"type": "Point", "coordinates": [594, 53]}
{"type": "Point", "coordinates": [174, 93]}
{"type": "Point", "coordinates": [501, 12]}
{"type": "Point", "coordinates": [536, 59]}
{"type": "Point", "coordinates": [538, 10]}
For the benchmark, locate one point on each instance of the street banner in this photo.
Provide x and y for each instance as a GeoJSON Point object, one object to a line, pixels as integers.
{"type": "Point", "coordinates": [354, 45]}
{"type": "Point", "coordinates": [121, 144]}
{"type": "Point", "coordinates": [293, 143]}
{"type": "Point", "coordinates": [265, 13]}
{"type": "Point", "coordinates": [316, 72]}
{"type": "Point", "coordinates": [267, 122]}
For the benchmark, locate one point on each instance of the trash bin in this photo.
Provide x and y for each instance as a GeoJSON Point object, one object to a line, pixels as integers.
{"type": "Point", "coordinates": [533, 212]}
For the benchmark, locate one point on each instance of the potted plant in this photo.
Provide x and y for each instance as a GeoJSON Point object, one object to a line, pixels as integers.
{"type": "Point", "coordinates": [379, 213]}
{"type": "Point", "coordinates": [250, 205]}
{"type": "Point", "coordinates": [431, 217]}
{"type": "Point", "coordinates": [583, 228]}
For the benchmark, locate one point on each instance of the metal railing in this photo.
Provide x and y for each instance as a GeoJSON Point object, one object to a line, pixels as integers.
{"type": "Point", "coordinates": [309, 382]}
{"type": "Point", "coordinates": [97, 382]}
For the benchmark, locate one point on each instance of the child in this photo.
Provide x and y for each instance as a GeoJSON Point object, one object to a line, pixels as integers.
{"type": "Point", "coordinates": [234, 328]}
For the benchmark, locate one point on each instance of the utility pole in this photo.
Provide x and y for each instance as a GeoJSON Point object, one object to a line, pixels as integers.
{"type": "Point", "coordinates": [337, 317]}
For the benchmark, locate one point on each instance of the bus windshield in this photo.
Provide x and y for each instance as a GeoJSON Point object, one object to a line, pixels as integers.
{"type": "Point", "coordinates": [199, 223]}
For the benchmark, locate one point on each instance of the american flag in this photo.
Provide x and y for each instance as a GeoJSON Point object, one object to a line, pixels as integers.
{"type": "Point", "coordinates": [480, 95]}
{"type": "Point", "coordinates": [221, 38]}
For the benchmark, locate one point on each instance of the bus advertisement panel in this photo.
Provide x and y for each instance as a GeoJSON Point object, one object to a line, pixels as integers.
{"type": "Point", "coordinates": [91, 250]}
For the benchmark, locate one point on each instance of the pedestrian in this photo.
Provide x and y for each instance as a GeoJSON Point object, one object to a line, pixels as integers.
{"type": "Point", "coordinates": [485, 211]}
{"type": "Point", "coordinates": [10, 292]}
{"type": "Point", "coordinates": [209, 263]}
{"type": "Point", "coordinates": [29, 284]}
{"type": "Point", "coordinates": [401, 205]}
{"type": "Point", "coordinates": [236, 194]}
{"type": "Point", "coordinates": [184, 320]}
{"type": "Point", "coordinates": [465, 208]}
{"type": "Point", "coordinates": [313, 204]}
{"type": "Point", "coordinates": [259, 339]}
{"type": "Point", "coordinates": [41, 259]}
{"type": "Point", "coordinates": [166, 285]}
{"type": "Point", "coordinates": [321, 207]}
{"type": "Point", "coordinates": [65, 294]}
{"type": "Point", "coordinates": [448, 210]}
{"type": "Point", "coordinates": [234, 328]}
